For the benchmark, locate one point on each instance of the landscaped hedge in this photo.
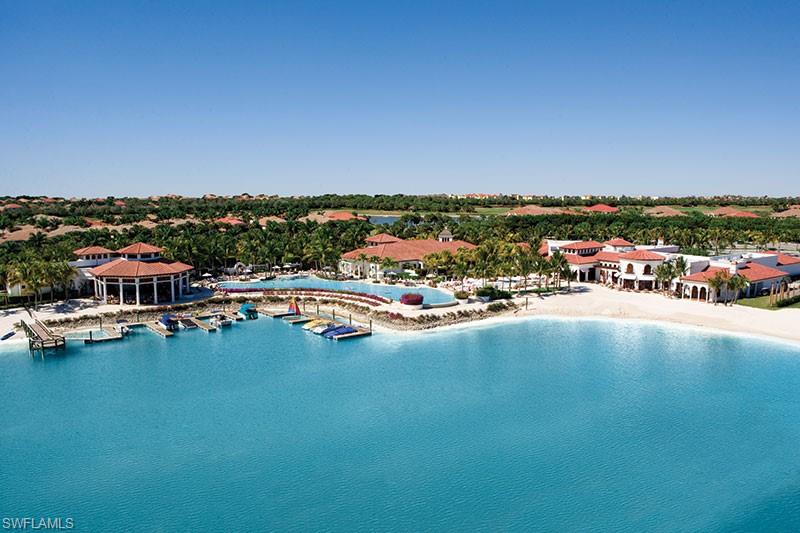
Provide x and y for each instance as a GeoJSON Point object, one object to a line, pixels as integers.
{"type": "Point", "coordinates": [493, 293]}
{"type": "Point", "coordinates": [411, 298]}
{"type": "Point", "coordinates": [371, 299]}
{"type": "Point", "coordinates": [788, 301]}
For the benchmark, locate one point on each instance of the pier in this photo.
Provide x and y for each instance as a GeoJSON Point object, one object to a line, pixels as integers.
{"type": "Point", "coordinates": [40, 337]}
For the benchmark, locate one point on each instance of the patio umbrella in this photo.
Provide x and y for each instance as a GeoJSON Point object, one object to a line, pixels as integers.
{"type": "Point", "coordinates": [206, 275]}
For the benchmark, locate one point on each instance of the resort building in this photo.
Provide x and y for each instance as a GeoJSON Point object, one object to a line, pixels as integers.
{"type": "Point", "coordinates": [607, 262]}
{"type": "Point", "coordinates": [371, 261]}
{"type": "Point", "coordinates": [135, 274]}
{"type": "Point", "coordinates": [764, 272]}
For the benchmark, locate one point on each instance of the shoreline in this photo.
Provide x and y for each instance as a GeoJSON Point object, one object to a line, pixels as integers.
{"type": "Point", "coordinates": [585, 302]}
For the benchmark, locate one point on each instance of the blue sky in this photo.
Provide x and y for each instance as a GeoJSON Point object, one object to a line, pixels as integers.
{"type": "Point", "coordinates": [140, 98]}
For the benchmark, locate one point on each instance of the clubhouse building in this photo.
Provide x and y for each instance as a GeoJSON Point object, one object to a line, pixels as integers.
{"type": "Point", "coordinates": [135, 274]}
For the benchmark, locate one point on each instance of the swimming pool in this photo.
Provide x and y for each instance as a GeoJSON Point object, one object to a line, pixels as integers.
{"type": "Point", "coordinates": [431, 296]}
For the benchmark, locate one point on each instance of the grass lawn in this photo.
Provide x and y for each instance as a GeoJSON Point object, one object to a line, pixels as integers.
{"type": "Point", "coordinates": [762, 302]}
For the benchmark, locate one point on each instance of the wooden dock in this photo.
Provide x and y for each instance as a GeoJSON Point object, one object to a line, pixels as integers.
{"type": "Point", "coordinates": [233, 316]}
{"type": "Point", "coordinates": [276, 314]}
{"type": "Point", "coordinates": [155, 328]}
{"type": "Point", "coordinates": [40, 337]}
{"type": "Point", "coordinates": [111, 335]}
{"type": "Point", "coordinates": [298, 319]}
{"type": "Point", "coordinates": [201, 324]}
{"type": "Point", "coordinates": [362, 332]}
{"type": "Point", "coordinates": [293, 319]}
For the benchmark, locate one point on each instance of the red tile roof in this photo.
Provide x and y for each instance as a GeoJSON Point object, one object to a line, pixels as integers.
{"type": "Point", "coordinates": [618, 242]}
{"type": "Point", "coordinates": [758, 272]}
{"type": "Point", "coordinates": [12, 206]}
{"type": "Point", "coordinates": [412, 250]}
{"type": "Point", "coordinates": [575, 259]}
{"type": "Point", "coordinates": [92, 250]}
{"type": "Point", "coordinates": [582, 245]}
{"type": "Point", "coordinates": [751, 271]}
{"type": "Point", "coordinates": [382, 238]}
{"type": "Point", "coordinates": [608, 257]}
{"type": "Point", "coordinates": [642, 255]}
{"type": "Point", "coordinates": [123, 268]}
{"type": "Point", "coordinates": [140, 248]}
{"type": "Point", "coordinates": [783, 259]}
{"type": "Point", "coordinates": [602, 208]}
{"type": "Point", "coordinates": [704, 275]}
{"type": "Point", "coordinates": [544, 249]}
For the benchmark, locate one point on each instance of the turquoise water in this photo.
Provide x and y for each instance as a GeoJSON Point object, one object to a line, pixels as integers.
{"type": "Point", "coordinates": [431, 296]}
{"type": "Point", "coordinates": [540, 424]}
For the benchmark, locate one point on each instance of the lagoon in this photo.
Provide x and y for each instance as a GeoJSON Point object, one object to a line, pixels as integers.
{"type": "Point", "coordinates": [431, 295]}
{"type": "Point", "coordinates": [536, 424]}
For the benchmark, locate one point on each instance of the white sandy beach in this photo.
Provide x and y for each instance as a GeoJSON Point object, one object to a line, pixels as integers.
{"type": "Point", "coordinates": [586, 300]}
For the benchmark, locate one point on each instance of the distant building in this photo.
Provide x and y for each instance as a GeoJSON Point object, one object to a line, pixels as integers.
{"type": "Point", "coordinates": [407, 254]}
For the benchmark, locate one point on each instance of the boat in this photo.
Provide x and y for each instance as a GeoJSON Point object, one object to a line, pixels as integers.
{"type": "Point", "coordinates": [313, 324]}
{"type": "Point", "coordinates": [187, 323]}
{"type": "Point", "coordinates": [248, 311]}
{"type": "Point", "coordinates": [340, 331]}
{"type": "Point", "coordinates": [122, 327]}
{"type": "Point", "coordinates": [8, 335]}
{"type": "Point", "coordinates": [322, 327]}
{"type": "Point", "coordinates": [220, 321]}
{"type": "Point", "coordinates": [169, 322]}
{"type": "Point", "coordinates": [329, 328]}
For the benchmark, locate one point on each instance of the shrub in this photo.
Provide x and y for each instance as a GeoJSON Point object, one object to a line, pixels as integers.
{"type": "Point", "coordinates": [496, 307]}
{"type": "Point", "coordinates": [461, 295]}
{"type": "Point", "coordinates": [493, 293]}
{"type": "Point", "coordinates": [411, 298]}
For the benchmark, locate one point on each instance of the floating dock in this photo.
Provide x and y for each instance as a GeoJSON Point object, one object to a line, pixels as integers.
{"type": "Point", "coordinates": [293, 318]}
{"type": "Point", "coordinates": [202, 325]}
{"type": "Point", "coordinates": [111, 335]}
{"type": "Point", "coordinates": [156, 328]}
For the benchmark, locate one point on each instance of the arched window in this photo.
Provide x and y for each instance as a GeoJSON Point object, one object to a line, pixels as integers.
{"type": "Point", "coordinates": [629, 270]}
{"type": "Point", "coordinates": [648, 270]}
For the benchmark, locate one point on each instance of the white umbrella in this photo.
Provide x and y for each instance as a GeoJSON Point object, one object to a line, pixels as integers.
{"type": "Point", "coordinates": [206, 275]}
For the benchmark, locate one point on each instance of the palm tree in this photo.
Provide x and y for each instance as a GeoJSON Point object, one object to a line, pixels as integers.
{"type": "Point", "coordinates": [664, 275]}
{"type": "Point", "coordinates": [541, 267]}
{"type": "Point", "coordinates": [717, 283]}
{"type": "Point", "coordinates": [679, 268]}
{"type": "Point", "coordinates": [387, 263]}
{"type": "Point", "coordinates": [737, 284]}
{"type": "Point", "coordinates": [557, 262]}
